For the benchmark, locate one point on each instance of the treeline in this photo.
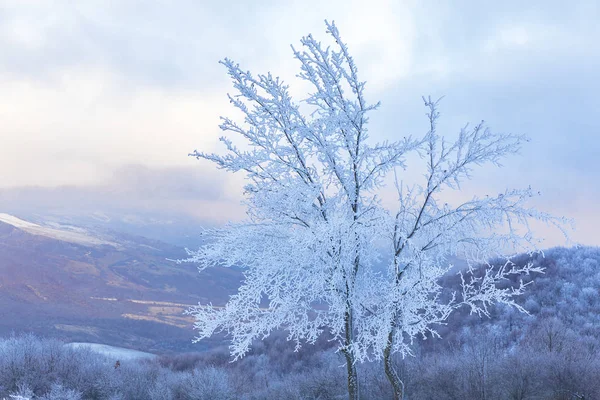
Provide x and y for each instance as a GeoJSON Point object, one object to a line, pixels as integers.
{"type": "Point", "coordinates": [548, 364]}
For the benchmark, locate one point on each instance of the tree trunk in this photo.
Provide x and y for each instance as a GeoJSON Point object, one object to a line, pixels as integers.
{"type": "Point", "coordinates": [353, 390]}
{"type": "Point", "coordinates": [352, 376]}
{"type": "Point", "coordinates": [390, 372]}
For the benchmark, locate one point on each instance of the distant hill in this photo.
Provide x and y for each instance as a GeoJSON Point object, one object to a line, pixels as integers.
{"type": "Point", "coordinates": [99, 286]}
{"type": "Point", "coordinates": [566, 298]}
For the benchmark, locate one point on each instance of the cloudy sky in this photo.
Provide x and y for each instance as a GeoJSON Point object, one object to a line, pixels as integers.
{"type": "Point", "coordinates": [113, 95]}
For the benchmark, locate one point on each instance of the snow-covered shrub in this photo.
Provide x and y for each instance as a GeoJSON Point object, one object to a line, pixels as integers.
{"type": "Point", "coordinates": [59, 392]}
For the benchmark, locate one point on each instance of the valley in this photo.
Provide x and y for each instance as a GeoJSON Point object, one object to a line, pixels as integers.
{"type": "Point", "coordinates": [77, 284]}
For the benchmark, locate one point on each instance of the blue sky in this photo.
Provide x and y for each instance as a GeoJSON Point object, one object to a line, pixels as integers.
{"type": "Point", "coordinates": [94, 93]}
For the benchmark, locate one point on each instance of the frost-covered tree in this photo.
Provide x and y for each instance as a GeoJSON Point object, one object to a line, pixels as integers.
{"type": "Point", "coordinates": [307, 247]}
{"type": "Point", "coordinates": [311, 245]}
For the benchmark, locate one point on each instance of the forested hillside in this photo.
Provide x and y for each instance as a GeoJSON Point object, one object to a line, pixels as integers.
{"type": "Point", "coordinates": [565, 295]}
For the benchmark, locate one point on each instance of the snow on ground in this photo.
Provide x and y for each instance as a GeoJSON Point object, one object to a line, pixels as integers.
{"type": "Point", "coordinates": [17, 222]}
{"type": "Point", "coordinates": [77, 236]}
{"type": "Point", "coordinates": [118, 353]}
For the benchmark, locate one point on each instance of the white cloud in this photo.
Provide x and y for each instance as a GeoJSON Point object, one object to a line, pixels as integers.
{"type": "Point", "coordinates": [81, 127]}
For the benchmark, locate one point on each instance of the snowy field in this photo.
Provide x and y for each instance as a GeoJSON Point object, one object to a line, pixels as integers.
{"type": "Point", "coordinates": [59, 232]}
{"type": "Point", "coordinates": [118, 353]}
